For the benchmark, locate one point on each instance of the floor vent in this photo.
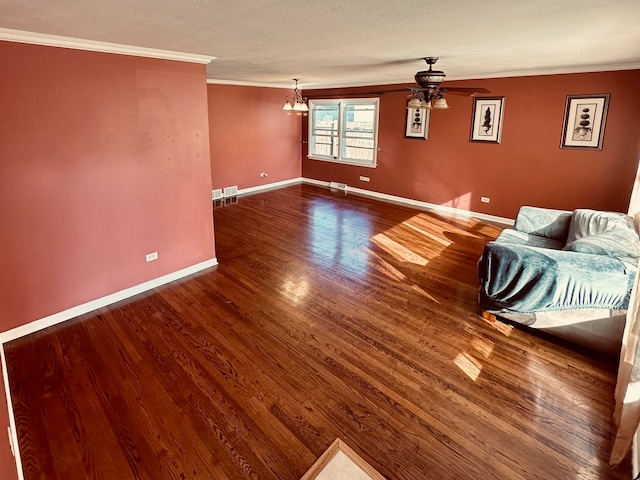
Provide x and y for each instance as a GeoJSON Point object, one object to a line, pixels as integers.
{"type": "Point", "coordinates": [338, 186]}
{"type": "Point", "coordinates": [230, 191]}
{"type": "Point", "coordinates": [216, 194]}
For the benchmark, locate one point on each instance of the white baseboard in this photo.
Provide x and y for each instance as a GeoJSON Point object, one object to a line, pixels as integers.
{"type": "Point", "coordinates": [267, 186]}
{"type": "Point", "coordinates": [635, 455]}
{"type": "Point", "coordinates": [73, 312]}
{"type": "Point", "coordinates": [385, 197]}
{"type": "Point", "coordinates": [12, 419]}
{"type": "Point", "coordinates": [313, 181]}
{"type": "Point", "coordinates": [417, 203]}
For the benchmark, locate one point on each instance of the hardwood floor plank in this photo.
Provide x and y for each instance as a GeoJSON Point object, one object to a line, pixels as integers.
{"type": "Point", "coordinates": [329, 315]}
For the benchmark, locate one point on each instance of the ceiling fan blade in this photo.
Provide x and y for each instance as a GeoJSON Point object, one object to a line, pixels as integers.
{"type": "Point", "coordinates": [395, 90]}
{"type": "Point", "coordinates": [467, 91]}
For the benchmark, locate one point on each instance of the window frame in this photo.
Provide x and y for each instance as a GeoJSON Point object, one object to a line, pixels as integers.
{"type": "Point", "coordinates": [341, 132]}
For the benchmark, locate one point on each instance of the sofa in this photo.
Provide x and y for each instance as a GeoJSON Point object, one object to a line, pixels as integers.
{"type": "Point", "coordinates": [567, 273]}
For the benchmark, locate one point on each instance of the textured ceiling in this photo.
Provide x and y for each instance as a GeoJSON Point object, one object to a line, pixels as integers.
{"type": "Point", "coordinates": [354, 42]}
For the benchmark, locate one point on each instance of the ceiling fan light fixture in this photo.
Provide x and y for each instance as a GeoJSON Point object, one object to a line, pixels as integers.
{"type": "Point", "coordinates": [415, 103]}
{"type": "Point", "coordinates": [429, 79]}
{"type": "Point", "coordinates": [287, 106]}
{"type": "Point", "coordinates": [440, 104]}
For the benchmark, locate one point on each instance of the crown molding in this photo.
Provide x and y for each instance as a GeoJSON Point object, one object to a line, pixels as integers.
{"type": "Point", "coordinates": [484, 76]}
{"type": "Point", "coordinates": [551, 71]}
{"type": "Point", "coordinates": [239, 83]}
{"type": "Point", "coordinates": [20, 36]}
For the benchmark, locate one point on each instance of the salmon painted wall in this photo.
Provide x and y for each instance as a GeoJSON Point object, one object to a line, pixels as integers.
{"type": "Point", "coordinates": [527, 167]}
{"type": "Point", "coordinates": [250, 134]}
{"type": "Point", "coordinates": [103, 159]}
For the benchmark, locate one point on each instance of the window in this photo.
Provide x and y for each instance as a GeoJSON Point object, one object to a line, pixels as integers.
{"type": "Point", "coordinates": [344, 131]}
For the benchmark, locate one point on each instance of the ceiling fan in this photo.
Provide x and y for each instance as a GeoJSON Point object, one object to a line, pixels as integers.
{"type": "Point", "coordinates": [429, 94]}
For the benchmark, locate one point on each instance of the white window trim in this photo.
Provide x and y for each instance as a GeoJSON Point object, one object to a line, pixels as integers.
{"type": "Point", "coordinates": [351, 101]}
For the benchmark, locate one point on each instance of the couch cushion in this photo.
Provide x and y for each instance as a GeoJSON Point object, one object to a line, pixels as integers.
{"type": "Point", "coordinates": [544, 222]}
{"type": "Point", "coordinates": [603, 233]}
{"type": "Point", "coordinates": [619, 242]}
{"type": "Point", "coordinates": [520, 238]}
{"type": "Point", "coordinates": [585, 222]}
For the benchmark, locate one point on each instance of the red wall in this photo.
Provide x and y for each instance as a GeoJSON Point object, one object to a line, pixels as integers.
{"type": "Point", "coordinates": [527, 167]}
{"type": "Point", "coordinates": [103, 159]}
{"type": "Point", "coordinates": [250, 134]}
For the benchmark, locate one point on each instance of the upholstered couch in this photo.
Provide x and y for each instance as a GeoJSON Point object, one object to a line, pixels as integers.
{"type": "Point", "coordinates": [567, 273]}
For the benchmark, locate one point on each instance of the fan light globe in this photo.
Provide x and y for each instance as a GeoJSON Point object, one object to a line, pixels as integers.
{"type": "Point", "coordinates": [300, 107]}
{"type": "Point", "coordinates": [414, 103]}
{"type": "Point", "coordinates": [440, 104]}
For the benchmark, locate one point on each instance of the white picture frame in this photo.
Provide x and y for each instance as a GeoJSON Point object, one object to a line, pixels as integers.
{"type": "Point", "coordinates": [417, 123]}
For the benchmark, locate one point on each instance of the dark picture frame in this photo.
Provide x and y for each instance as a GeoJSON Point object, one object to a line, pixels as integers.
{"type": "Point", "coordinates": [417, 123]}
{"type": "Point", "coordinates": [486, 119]}
{"type": "Point", "coordinates": [584, 120]}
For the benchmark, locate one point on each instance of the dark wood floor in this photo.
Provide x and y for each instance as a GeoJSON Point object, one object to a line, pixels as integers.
{"type": "Point", "coordinates": [328, 316]}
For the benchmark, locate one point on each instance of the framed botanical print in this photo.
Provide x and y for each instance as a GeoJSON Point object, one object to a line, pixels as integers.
{"type": "Point", "coordinates": [417, 123]}
{"type": "Point", "coordinates": [486, 123]}
{"type": "Point", "coordinates": [584, 119]}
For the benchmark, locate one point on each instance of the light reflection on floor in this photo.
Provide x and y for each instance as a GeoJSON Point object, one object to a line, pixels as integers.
{"type": "Point", "coordinates": [339, 237]}
{"type": "Point", "coordinates": [295, 289]}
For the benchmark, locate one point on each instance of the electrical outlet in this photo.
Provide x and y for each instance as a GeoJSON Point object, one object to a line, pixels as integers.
{"type": "Point", "coordinates": [365, 179]}
{"type": "Point", "coordinates": [485, 199]}
{"type": "Point", "coordinates": [151, 256]}
{"type": "Point", "coordinates": [263, 174]}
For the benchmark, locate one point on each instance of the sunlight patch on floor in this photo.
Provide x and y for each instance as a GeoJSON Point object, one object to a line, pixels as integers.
{"type": "Point", "coordinates": [430, 235]}
{"type": "Point", "coordinates": [295, 289]}
{"type": "Point", "coordinates": [483, 347]}
{"type": "Point", "coordinates": [421, 291]}
{"type": "Point", "coordinates": [469, 365]}
{"type": "Point", "coordinates": [386, 268]}
{"type": "Point", "coordinates": [398, 251]}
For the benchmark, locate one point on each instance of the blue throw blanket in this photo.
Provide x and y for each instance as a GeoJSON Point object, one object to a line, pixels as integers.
{"type": "Point", "coordinates": [525, 279]}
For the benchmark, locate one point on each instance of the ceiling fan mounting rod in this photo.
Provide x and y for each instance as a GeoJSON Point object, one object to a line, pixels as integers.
{"type": "Point", "coordinates": [430, 61]}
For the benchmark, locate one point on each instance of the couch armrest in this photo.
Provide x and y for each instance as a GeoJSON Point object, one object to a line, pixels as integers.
{"type": "Point", "coordinates": [544, 222]}
{"type": "Point", "coordinates": [519, 278]}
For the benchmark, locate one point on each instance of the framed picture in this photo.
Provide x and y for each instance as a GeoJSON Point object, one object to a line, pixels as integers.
{"type": "Point", "coordinates": [417, 123]}
{"type": "Point", "coordinates": [486, 124]}
{"type": "Point", "coordinates": [584, 120]}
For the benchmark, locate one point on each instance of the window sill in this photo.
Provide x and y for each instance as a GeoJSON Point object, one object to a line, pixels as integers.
{"type": "Point", "coordinates": [343, 162]}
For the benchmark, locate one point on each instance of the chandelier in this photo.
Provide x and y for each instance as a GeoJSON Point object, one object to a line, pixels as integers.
{"type": "Point", "coordinates": [295, 102]}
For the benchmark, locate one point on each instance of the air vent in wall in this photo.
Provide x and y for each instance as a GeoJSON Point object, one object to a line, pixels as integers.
{"type": "Point", "coordinates": [230, 191]}
{"type": "Point", "coordinates": [338, 186]}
